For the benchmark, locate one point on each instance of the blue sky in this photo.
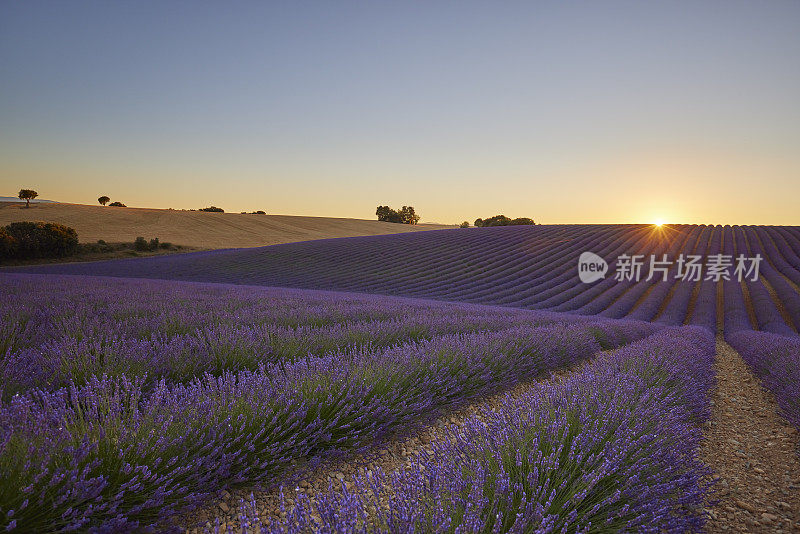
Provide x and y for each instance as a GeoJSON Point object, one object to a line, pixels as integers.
{"type": "Point", "coordinates": [561, 111]}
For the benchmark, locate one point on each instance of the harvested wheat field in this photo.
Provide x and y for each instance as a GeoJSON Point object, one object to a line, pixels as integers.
{"type": "Point", "coordinates": [197, 229]}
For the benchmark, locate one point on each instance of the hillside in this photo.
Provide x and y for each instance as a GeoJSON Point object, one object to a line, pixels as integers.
{"type": "Point", "coordinates": [196, 228]}
{"type": "Point", "coordinates": [527, 267]}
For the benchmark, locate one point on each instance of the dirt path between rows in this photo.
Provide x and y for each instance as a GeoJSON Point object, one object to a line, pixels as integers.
{"type": "Point", "coordinates": [754, 453]}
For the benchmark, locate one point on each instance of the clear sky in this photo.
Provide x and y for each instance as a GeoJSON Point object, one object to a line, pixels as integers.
{"type": "Point", "coordinates": [592, 111]}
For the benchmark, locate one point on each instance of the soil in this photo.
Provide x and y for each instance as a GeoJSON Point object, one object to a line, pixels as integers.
{"type": "Point", "coordinates": [754, 453]}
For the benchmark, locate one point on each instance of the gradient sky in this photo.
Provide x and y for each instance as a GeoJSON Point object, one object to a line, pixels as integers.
{"type": "Point", "coordinates": [561, 111]}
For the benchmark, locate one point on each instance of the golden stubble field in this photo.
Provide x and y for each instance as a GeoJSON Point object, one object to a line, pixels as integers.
{"type": "Point", "coordinates": [195, 228]}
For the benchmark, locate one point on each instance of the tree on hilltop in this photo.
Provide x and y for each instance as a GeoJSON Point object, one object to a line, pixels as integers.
{"type": "Point", "coordinates": [502, 220]}
{"type": "Point", "coordinates": [104, 200]}
{"type": "Point", "coordinates": [27, 195]}
{"type": "Point", "coordinates": [405, 215]}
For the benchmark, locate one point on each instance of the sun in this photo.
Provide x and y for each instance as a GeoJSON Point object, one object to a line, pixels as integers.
{"type": "Point", "coordinates": [658, 223]}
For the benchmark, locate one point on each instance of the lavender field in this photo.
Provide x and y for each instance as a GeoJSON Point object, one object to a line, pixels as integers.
{"type": "Point", "coordinates": [134, 391]}
{"type": "Point", "coordinates": [399, 267]}
{"type": "Point", "coordinates": [531, 267]}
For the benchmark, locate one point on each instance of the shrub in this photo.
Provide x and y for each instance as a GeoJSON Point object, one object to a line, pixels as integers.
{"type": "Point", "coordinates": [42, 240]}
{"type": "Point", "coordinates": [259, 212]}
{"type": "Point", "coordinates": [464, 224]}
{"type": "Point", "coordinates": [142, 245]}
{"type": "Point", "coordinates": [213, 209]}
{"type": "Point", "coordinates": [165, 245]}
{"type": "Point", "coordinates": [100, 246]}
{"type": "Point", "coordinates": [8, 244]}
{"type": "Point", "coordinates": [118, 205]}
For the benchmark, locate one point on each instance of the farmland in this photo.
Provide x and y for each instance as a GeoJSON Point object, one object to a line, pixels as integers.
{"type": "Point", "coordinates": [521, 267]}
{"type": "Point", "coordinates": [138, 391]}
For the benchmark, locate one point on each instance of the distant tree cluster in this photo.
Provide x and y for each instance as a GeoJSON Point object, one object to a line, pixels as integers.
{"type": "Point", "coordinates": [502, 220]}
{"type": "Point", "coordinates": [405, 215]}
{"type": "Point", "coordinates": [27, 195]}
{"type": "Point", "coordinates": [464, 224]}
{"type": "Point", "coordinates": [105, 200]}
{"type": "Point", "coordinates": [24, 240]}
{"type": "Point", "coordinates": [213, 209]}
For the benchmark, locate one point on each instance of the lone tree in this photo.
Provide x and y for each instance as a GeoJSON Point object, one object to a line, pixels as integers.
{"type": "Point", "coordinates": [104, 200]}
{"type": "Point", "coordinates": [27, 195]}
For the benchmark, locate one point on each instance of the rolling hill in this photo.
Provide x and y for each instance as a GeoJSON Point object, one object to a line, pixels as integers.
{"type": "Point", "coordinates": [196, 228]}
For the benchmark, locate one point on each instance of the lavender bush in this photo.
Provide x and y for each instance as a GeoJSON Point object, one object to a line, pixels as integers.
{"type": "Point", "coordinates": [612, 448]}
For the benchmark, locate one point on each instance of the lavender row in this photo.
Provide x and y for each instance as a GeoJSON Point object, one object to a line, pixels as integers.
{"type": "Point", "coordinates": [115, 455]}
{"type": "Point", "coordinates": [775, 359]}
{"type": "Point", "coordinates": [612, 448]}
{"type": "Point", "coordinates": [58, 331]}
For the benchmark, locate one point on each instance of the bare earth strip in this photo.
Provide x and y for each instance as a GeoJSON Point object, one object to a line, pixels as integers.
{"type": "Point", "coordinates": [753, 451]}
{"type": "Point", "coordinates": [196, 228]}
